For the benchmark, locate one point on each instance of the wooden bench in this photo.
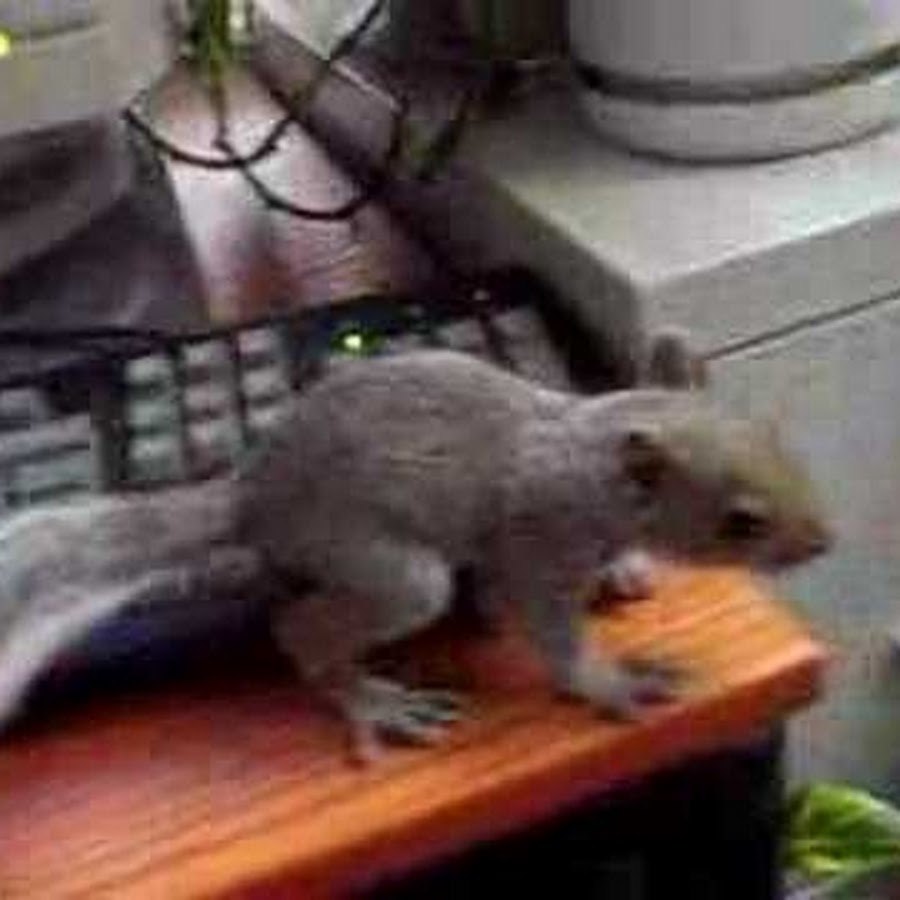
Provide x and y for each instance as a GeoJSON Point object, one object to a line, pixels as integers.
{"type": "Point", "coordinates": [233, 784]}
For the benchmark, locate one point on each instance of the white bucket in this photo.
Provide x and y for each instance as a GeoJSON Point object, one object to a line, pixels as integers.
{"type": "Point", "coordinates": [737, 78]}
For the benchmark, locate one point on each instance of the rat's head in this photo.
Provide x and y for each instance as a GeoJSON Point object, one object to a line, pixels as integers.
{"type": "Point", "coordinates": [710, 488]}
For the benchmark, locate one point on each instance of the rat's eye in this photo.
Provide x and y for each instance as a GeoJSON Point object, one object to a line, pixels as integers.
{"type": "Point", "coordinates": [745, 523]}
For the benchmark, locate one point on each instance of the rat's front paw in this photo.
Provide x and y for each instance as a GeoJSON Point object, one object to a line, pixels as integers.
{"type": "Point", "coordinates": [620, 691]}
{"type": "Point", "coordinates": [380, 710]}
{"type": "Point", "coordinates": [631, 576]}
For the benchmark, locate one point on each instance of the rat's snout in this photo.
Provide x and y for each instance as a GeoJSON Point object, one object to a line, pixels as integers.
{"type": "Point", "coordinates": [820, 539]}
{"type": "Point", "coordinates": [804, 542]}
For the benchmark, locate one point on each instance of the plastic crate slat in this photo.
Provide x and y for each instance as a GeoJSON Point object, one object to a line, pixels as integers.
{"type": "Point", "coordinates": [151, 415]}
{"type": "Point", "coordinates": [74, 471]}
{"type": "Point", "coordinates": [263, 419]}
{"type": "Point", "coordinates": [233, 378]}
{"type": "Point", "coordinates": [151, 370]}
{"type": "Point", "coordinates": [266, 383]}
{"type": "Point", "coordinates": [185, 451]}
{"type": "Point", "coordinates": [206, 356]}
{"type": "Point", "coordinates": [255, 344]}
{"type": "Point", "coordinates": [216, 440]}
{"type": "Point", "coordinates": [206, 400]}
{"type": "Point", "coordinates": [20, 407]}
{"type": "Point", "coordinates": [46, 439]}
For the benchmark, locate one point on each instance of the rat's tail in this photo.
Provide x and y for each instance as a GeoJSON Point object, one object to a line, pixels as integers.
{"type": "Point", "coordinates": [67, 569]}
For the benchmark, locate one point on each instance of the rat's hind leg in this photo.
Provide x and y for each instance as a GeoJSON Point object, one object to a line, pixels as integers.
{"type": "Point", "coordinates": [374, 594]}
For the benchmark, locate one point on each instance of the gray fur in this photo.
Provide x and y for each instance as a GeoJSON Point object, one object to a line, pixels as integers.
{"type": "Point", "coordinates": [387, 478]}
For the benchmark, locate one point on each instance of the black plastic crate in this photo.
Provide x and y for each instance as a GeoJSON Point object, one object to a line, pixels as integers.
{"type": "Point", "coordinates": [138, 409]}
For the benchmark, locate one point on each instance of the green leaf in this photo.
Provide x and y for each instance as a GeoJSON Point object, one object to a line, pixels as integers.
{"type": "Point", "coordinates": [834, 830]}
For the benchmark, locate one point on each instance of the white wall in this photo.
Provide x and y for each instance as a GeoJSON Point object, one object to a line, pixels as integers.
{"type": "Point", "coordinates": [837, 387]}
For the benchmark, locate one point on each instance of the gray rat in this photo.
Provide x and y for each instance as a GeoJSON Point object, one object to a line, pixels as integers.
{"type": "Point", "coordinates": [391, 474]}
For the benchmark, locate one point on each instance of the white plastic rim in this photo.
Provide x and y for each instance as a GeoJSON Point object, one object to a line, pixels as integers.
{"type": "Point", "coordinates": [748, 131]}
{"type": "Point", "coordinates": [715, 40]}
{"type": "Point", "coordinates": [67, 62]}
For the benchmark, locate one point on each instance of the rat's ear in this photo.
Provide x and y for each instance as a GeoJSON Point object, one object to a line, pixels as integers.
{"type": "Point", "coordinates": [644, 455]}
{"type": "Point", "coordinates": [671, 363]}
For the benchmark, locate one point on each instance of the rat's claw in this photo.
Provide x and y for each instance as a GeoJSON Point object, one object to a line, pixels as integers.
{"type": "Point", "coordinates": [438, 706]}
{"type": "Point", "coordinates": [619, 692]}
{"type": "Point", "coordinates": [661, 679]}
{"type": "Point", "coordinates": [381, 710]}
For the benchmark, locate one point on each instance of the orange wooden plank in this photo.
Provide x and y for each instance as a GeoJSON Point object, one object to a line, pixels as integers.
{"type": "Point", "coordinates": [235, 784]}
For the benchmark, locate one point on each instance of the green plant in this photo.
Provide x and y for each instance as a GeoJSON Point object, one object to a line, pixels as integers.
{"type": "Point", "coordinates": [215, 31]}
{"type": "Point", "coordinates": [836, 835]}
{"type": "Point", "coordinates": [211, 35]}
{"type": "Point", "coordinates": [493, 67]}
